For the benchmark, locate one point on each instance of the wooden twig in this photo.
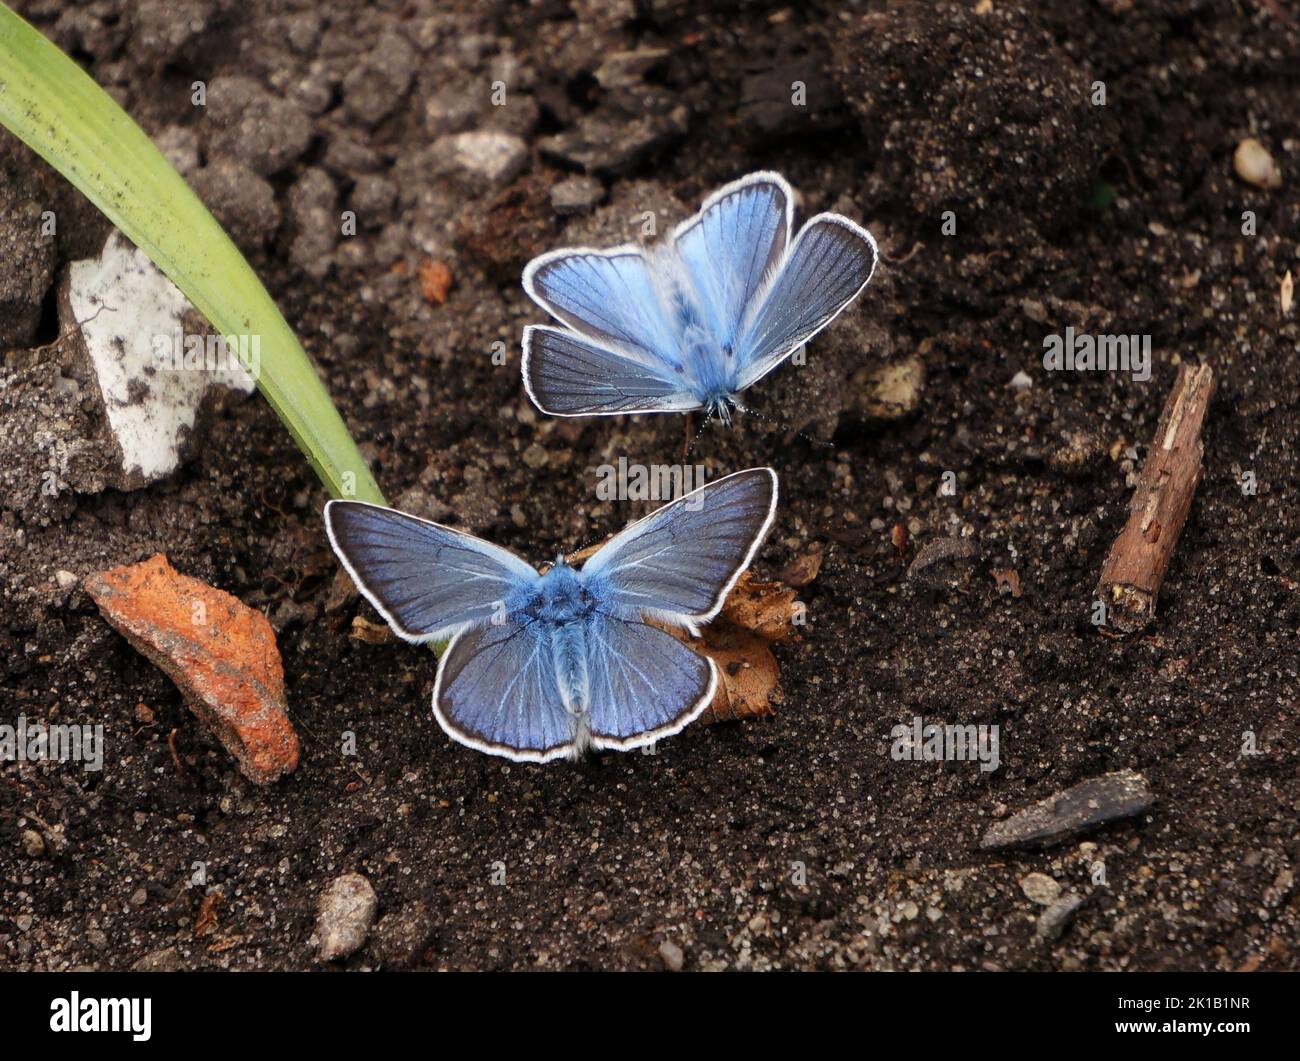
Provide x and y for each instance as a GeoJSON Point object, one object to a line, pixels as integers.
{"type": "Point", "coordinates": [1135, 566]}
{"type": "Point", "coordinates": [176, 755]}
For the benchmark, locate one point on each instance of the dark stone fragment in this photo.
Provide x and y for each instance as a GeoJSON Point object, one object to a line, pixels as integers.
{"type": "Point", "coordinates": [1108, 798]}
{"type": "Point", "coordinates": [606, 143]}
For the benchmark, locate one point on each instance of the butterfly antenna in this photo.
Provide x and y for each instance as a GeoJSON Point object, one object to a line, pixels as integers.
{"type": "Point", "coordinates": [785, 426]}
{"type": "Point", "coordinates": [591, 539]}
{"type": "Point", "coordinates": [705, 423]}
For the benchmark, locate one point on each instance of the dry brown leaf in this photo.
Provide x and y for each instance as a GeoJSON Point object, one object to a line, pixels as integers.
{"type": "Point", "coordinates": [802, 570]}
{"type": "Point", "coordinates": [766, 608]}
{"type": "Point", "coordinates": [371, 633]}
{"type": "Point", "coordinates": [206, 922]}
{"type": "Point", "coordinates": [755, 614]}
{"type": "Point", "coordinates": [1007, 580]}
{"type": "Point", "coordinates": [573, 559]}
{"type": "Point", "coordinates": [749, 681]}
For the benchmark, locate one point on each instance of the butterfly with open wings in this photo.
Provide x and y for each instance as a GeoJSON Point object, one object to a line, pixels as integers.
{"type": "Point", "coordinates": [544, 666]}
{"type": "Point", "coordinates": [693, 321]}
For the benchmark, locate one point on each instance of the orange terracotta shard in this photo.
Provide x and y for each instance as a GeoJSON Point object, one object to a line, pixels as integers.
{"type": "Point", "coordinates": [221, 654]}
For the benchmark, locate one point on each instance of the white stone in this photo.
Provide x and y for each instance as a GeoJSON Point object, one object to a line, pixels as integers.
{"type": "Point", "coordinates": [1255, 165]}
{"type": "Point", "coordinates": [127, 309]}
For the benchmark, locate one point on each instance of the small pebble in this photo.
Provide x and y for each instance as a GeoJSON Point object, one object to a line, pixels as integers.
{"type": "Point", "coordinates": [1255, 165]}
{"type": "Point", "coordinates": [345, 913]}
{"type": "Point", "coordinates": [1040, 888]}
{"type": "Point", "coordinates": [487, 156]}
{"type": "Point", "coordinates": [33, 843]}
{"type": "Point", "coordinates": [672, 955]}
{"type": "Point", "coordinates": [166, 960]}
{"type": "Point", "coordinates": [1034, 310]}
{"type": "Point", "coordinates": [891, 391]}
{"type": "Point", "coordinates": [435, 280]}
{"type": "Point", "coordinates": [1054, 920]}
{"type": "Point", "coordinates": [576, 195]}
{"type": "Point", "coordinates": [622, 69]}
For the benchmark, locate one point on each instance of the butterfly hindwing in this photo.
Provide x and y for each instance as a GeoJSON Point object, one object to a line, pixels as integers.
{"type": "Point", "coordinates": [496, 691]}
{"type": "Point", "coordinates": [566, 374]}
{"type": "Point", "coordinates": [425, 579]}
{"type": "Point", "coordinates": [679, 563]}
{"type": "Point", "coordinates": [830, 262]}
{"type": "Point", "coordinates": [645, 684]}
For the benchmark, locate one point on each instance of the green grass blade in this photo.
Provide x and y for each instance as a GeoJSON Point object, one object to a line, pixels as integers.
{"type": "Point", "coordinates": [58, 110]}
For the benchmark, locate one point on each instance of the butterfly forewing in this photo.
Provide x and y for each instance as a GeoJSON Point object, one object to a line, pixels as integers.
{"type": "Point", "coordinates": [680, 562]}
{"type": "Point", "coordinates": [731, 248]}
{"type": "Point", "coordinates": [611, 297]}
{"type": "Point", "coordinates": [425, 579]}
{"type": "Point", "coordinates": [829, 264]}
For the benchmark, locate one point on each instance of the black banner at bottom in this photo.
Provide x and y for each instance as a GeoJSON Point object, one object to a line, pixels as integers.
{"type": "Point", "coordinates": [340, 1010]}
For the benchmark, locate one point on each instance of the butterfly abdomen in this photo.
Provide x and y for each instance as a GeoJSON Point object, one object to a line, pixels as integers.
{"type": "Point", "coordinates": [569, 654]}
{"type": "Point", "coordinates": [563, 607]}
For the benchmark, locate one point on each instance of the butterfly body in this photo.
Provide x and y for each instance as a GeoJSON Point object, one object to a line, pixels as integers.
{"type": "Point", "coordinates": [561, 598]}
{"type": "Point", "coordinates": [562, 608]}
{"type": "Point", "coordinates": [544, 666]}
{"type": "Point", "coordinates": [698, 318]}
{"type": "Point", "coordinates": [699, 349]}
{"type": "Point", "coordinates": [714, 387]}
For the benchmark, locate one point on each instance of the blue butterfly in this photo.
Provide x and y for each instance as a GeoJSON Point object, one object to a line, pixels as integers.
{"type": "Point", "coordinates": [547, 665]}
{"type": "Point", "coordinates": [693, 321]}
